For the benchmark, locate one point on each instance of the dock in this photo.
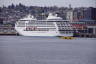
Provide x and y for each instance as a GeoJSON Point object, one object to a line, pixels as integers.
{"type": "Point", "coordinates": [85, 35]}
{"type": "Point", "coordinates": [8, 31]}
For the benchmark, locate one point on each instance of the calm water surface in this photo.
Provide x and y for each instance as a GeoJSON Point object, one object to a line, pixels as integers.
{"type": "Point", "coordinates": [46, 50]}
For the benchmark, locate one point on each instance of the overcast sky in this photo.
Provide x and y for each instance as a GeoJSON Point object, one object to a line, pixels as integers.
{"type": "Point", "coordinates": [60, 3]}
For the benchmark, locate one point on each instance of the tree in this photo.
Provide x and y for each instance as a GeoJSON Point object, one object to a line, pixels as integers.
{"type": "Point", "coordinates": [12, 6]}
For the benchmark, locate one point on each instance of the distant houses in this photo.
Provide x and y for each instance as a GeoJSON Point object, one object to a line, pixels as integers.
{"type": "Point", "coordinates": [14, 12]}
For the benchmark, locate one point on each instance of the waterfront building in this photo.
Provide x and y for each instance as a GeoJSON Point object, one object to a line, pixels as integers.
{"type": "Point", "coordinates": [69, 15]}
{"type": "Point", "coordinates": [90, 13]}
{"type": "Point", "coordinates": [84, 14]}
{"type": "Point", "coordinates": [85, 27]}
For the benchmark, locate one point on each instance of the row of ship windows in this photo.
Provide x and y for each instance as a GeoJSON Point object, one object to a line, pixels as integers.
{"type": "Point", "coordinates": [64, 23]}
{"type": "Point", "coordinates": [41, 23]}
{"type": "Point", "coordinates": [40, 29]}
{"type": "Point", "coordinates": [60, 24]}
{"type": "Point", "coordinates": [38, 24]}
{"type": "Point", "coordinates": [66, 32]}
{"type": "Point", "coordinates": [35, 26]}
{"type": "Point", "coordinates": [45, 24]}
{"type": "Point", "coordinates": [65, 28]}
{"type": "Point", "coordinates": [49, 23]}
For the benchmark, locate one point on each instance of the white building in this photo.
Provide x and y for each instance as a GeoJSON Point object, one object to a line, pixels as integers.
{"type": "Point", "coordinates": [70, 14]}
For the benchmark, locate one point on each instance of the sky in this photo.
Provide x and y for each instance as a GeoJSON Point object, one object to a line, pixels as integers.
{"type": "Point", "coordinates": [59, 3]}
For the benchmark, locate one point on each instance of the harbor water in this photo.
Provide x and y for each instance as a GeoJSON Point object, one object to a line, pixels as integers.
{"type": "Point", "coordinates": [47, 50]}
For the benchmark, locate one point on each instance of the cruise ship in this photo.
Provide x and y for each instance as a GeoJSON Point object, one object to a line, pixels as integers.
{"type": "Point", "coordinates": [52, 26]}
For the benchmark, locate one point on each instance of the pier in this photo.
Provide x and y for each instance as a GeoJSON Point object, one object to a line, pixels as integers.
{"type": "Point", "coordinates": [85, 35]}
{"type": "Point", "coordinates": [8, 31]}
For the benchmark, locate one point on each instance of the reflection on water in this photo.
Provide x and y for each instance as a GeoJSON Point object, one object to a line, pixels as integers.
{"type": "Point", "coordinates": [46, 50]}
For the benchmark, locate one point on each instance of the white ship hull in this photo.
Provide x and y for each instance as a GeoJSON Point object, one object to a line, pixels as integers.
{"type": "Point", "coordinates": [40, 33]}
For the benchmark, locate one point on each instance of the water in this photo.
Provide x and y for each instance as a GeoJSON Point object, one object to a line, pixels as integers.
{"type": "Point", "coordinates": [46, 50]}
